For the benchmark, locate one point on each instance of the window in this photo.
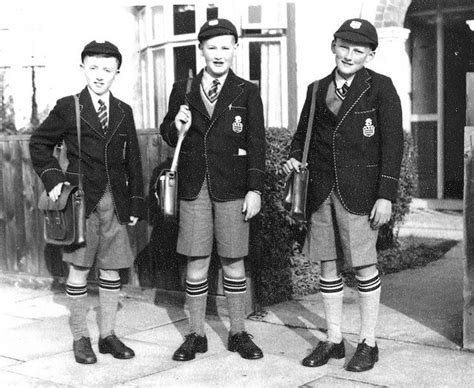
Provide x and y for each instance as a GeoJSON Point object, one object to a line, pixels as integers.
{"type": "Point", "coordinates": [212, 12]}
{"type": "Point", "coordinates": [184, 18]}
{"type": "Point", "coordinates": [184, 59]}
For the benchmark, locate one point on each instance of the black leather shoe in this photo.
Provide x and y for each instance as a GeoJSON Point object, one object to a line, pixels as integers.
{"type": "Point", "coordinates": [192, 344]}
{"type": "Point", "coordinates": [364, 358]}
{"type": "Point", "coordinates": [83, 352]}
{"type": "Point", "coordinates": [111, 344]}
{"type": "Point", "coordinates": [243, 344]}
{"type": "Point", "coordinates": [323, 352]}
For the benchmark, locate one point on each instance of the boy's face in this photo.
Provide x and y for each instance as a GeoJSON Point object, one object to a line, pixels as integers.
{"type": "Point", "coordinates": [350, 57]}
{"type": "Point", "coordinates": [218, 53]}
{"type": "Point", "coordinates": [100, 73]}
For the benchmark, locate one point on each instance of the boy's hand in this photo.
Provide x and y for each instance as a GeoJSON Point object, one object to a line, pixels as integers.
{"type": "Point", "coordinates": [183, 120]}
{"type": "Point", "coordinates": [252, 204]}
{"type": "Point", "coordinates": [381, 213]}
{"type": "Point", "coordinates": [292, 164]}
{"type": "Point", "coordinates": [56, 191]}
{"type": "Point", "coordinates": [133, 220]}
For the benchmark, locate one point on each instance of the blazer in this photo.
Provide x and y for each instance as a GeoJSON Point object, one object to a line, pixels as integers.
{"type": "Point", "coordinates": [228, 148]}
{"type": "Point", "coordinates": [357, 153]}
{"type": "Point", "coordinates": [106, 159]}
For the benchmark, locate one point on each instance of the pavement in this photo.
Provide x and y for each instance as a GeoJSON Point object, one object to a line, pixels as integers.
{"type": "Point", "coordinates": [419, 336]}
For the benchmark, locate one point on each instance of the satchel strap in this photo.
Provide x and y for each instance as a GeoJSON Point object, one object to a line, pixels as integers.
{"type": "Point", "coordinates": [310, 123]}
{"type": "Point", "coordinates": [78, 125]}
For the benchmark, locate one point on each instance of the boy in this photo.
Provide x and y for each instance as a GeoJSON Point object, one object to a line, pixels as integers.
{"type": "Point", "coordinates": [221, 173]}
{"type": "Point", "coordinates": [113, 185]}
{"type": "Point", "coordinates": [354, 163]}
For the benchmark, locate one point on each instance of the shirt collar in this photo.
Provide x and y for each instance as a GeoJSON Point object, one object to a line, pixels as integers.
{"type": "Point", "coordinates": [207, 79]}
{"type": "Point", "coordinates": [340, 81]}
{"type": "Point", "coordinates": [95, 98]}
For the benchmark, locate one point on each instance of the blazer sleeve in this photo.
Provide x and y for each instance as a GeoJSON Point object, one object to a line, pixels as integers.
{"type": "Point", "coordinates": [297, 144]}
{"type": "Point", "coordinates": [42, 143]}
{"type": "Point", "coordinates": [135, 172]}
{"type": "Point", "coordinates": [255, 142]}
{"type": "Point", "coordinates": [168, 130]}
{"type": "Point", "coordinates": [390, 123]}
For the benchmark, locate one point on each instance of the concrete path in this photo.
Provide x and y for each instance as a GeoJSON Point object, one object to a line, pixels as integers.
{"type": "Point", "coordinates": [419, 333]}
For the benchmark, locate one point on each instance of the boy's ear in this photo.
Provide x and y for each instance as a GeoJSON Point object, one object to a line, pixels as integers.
{"type": "Point", "coordinates": [333, 46]}
{"type": "Point", "coordinates": [370, 56]}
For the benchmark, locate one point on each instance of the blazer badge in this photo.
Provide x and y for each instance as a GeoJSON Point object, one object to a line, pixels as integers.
{"type": "Point", "coordinates": [369, 129]}
{"type": "Point", "coordinates": [237, 126]}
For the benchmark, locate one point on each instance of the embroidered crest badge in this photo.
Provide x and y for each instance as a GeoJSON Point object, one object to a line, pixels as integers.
{"type": "Point", "coordinates": [237, 126]}
{"type": "Point", "coordinates": [369, 129]}
{"type": "Point", "coordinates": [355, 24]}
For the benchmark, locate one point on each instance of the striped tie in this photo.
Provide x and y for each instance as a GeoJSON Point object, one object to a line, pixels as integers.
{"type": "Point", "coordinates": [341, 92]}
{"type": "Point", "coordinates": [102, 113]}
{"type": "Point", "coordinates": [212, 93]}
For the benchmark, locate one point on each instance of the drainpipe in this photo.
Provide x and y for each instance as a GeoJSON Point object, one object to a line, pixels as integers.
{"type": "Point", "coordinates": [440, 102]}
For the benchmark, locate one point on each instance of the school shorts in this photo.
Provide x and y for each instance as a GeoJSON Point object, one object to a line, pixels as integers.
{"type": "Point", "coordinates": [107, 241]}
{"type": "Point", "coordinates": [201, 220]}
{"type": "Point", "coordinates": [334, 233]}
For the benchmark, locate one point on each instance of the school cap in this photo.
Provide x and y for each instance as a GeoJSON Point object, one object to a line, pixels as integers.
{"type": "Point", "coordinates": [217, 27]}
{"type": "Point", "coordinates": [101, 48]}
{"type": "Point", "coordinates": [358, 31]}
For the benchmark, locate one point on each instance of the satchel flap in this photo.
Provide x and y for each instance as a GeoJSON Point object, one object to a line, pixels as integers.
{"type": "Point", "coordinates": [45, 202]}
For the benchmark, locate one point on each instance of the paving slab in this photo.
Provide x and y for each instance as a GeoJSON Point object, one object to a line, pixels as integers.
{"type": "Point", "coordinates": [8, 322]}
{"type": "Point", "coordinates": [10, 379]}
{"type": "Point", "coordinates": [62, 369]}
{"type": "Point", "coordinates": [11, 293]}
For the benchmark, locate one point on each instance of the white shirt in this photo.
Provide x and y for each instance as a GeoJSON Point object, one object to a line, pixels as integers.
{"type": "Point", "coordinates": [207, 80]}
{"type": "Point", "coordinates": [340, 81]}
{"type": "Point", "coordinates": [95, 99]}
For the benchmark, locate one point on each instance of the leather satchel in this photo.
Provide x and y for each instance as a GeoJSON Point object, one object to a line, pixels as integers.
{"type": "Point", "coordinates": [64, 220]}
{"type": "Point", "coordinates": [296, 183]}
{"type": "Point", "coordinates": [166, 185]}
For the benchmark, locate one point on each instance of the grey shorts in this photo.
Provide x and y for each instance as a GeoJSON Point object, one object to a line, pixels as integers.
{"type": "Point", "coordinates": [202, 220]}
{"type": "Point", "coordinates": [334, 233]}
{"type": "Point", "coordinates": [107, 241]}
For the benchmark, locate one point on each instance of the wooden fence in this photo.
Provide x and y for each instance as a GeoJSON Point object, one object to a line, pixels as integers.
{"type": "Point", "coordinates": [22, 249]}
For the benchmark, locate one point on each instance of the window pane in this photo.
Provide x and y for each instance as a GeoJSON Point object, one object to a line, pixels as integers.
{"type": "Point", "coordinates": [184, 59]}
{"type": "Point", "coordinates": [212, 12]}
{"type": "Point", "coordinates": [184, 18]}
{"type": "Point", "coordinates": [158, 23]}
{"type": "Point", "coordinates": [255, 58]}
{"type": "Point", "coordinates": [255, 14]}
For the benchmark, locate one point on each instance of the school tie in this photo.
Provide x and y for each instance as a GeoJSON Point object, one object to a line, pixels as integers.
{"type": "Point", "coordinates": [212, 93]}
{"type": "Point", "coordinates": [342, 91]}
{"type": "Point", "coordinates": [102, 113]}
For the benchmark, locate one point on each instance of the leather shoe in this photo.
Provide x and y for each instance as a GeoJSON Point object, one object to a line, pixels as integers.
{"type": "Point", "coordinates": [323, 352]}
{"type": "Point", "coordinates": [111, 344]}
{"type": "Point", "coordinates": [192, 344]}
{"type": "Point", "coordinates": [83, 352]}
{"type": "Point", "coordinates": [364, 358]}
{"type": "Point", "coordinates": [242, 343]}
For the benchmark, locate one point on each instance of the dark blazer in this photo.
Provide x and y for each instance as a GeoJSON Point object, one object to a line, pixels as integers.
{"type": "Point", "coordinates": [212, 144]}
{"type": "Point", "coordinates": [113, 158]}
{"type": "Point", "coordinates": [359, 151]}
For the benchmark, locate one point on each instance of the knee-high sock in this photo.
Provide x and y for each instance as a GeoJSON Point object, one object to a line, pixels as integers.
{"type": "Point", "coordinates": [78, 310]}
{"type": "Point", "coordinates": [369, 301]}
{"type": "Point", "coordinates": [196, 299]}
{"type": "Point", "coordinates": [332, 292]}
{"type": "Point", "coordinates": [109, 292]}
{"type": "Point", "coordinates": [235, 291]}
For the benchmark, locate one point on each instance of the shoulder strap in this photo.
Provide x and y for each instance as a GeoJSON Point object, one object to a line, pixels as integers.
{"type": "Point", "coordinates": [310, 123]}
{"type": "Point", "coordinates": [78, 125]}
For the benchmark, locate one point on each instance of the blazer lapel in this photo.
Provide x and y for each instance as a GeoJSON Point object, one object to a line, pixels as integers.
{"type": "Point", "coordinates": [193, 98]}
{"type": "Point", "coordinates": [358, 87]}
{"type": "Point", "coordinates": [229, 93]}
{"type": "Point", "coordinates": [116, 116]}
{"type": "Point", "coordinates": [88, 112]}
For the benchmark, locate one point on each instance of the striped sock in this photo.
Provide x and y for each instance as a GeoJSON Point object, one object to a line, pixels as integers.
{"type": "Point", "coordinates": [332, 293]}
{"type": "Point", "coordinates": [369, 301]}
{"type": "Point", "coordinates": [109, 293]}
{"type": "Point", "coordinates": [78, 310]}
{"type": "Point", "coordinates": [235, 291]}
{"type": "Point", "coordinates": [196, 299]}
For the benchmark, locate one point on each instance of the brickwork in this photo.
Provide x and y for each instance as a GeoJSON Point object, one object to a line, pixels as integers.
{"type": "Point", "coordinates": [391, 13]}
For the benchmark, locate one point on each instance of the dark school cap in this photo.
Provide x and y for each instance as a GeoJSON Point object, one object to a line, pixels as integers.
{"type": "Point", "coordinates": [217, 27]}
{"type": "Point", "coordinates": [358, 31]}
{"type": "Point", "coordinates": [101, 48]}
